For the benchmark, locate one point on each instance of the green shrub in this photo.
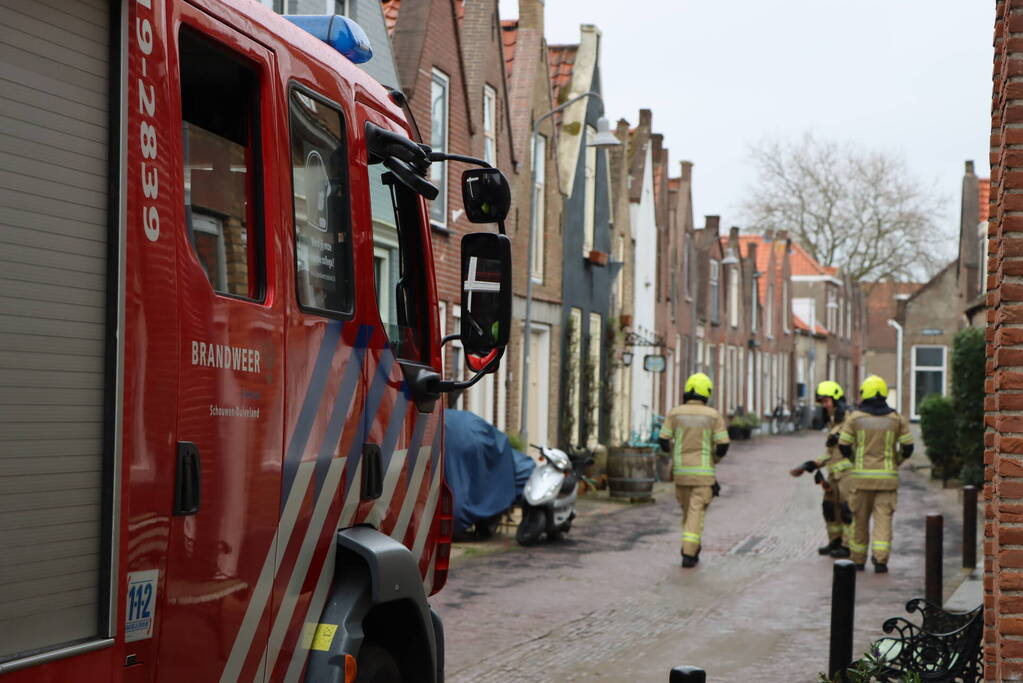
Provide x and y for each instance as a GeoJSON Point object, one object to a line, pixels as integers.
{"type": "Point", "coordinates": [515, 439]}
{"type": "Point", "coordinates": [968, 365]}
{"type": "Point", "coordinates": [938, 427]}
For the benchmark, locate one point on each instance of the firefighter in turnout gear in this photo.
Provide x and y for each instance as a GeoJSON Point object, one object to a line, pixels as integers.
{"type": "Point", "coordinates": [696, 436]}
{"type": "Point", "coordinates": [877, 440]}
{"type": "Point", "coordinates": [837, 487]}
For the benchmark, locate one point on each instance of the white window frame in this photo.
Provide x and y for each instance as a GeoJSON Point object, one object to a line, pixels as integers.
{"type": "Point", "coordinates": [440, 79]}
{"type": "Point", "coordinates": [831, 308]}
{"type": "Point", "coordinates": [715, 293]}
{"type": "Point", "coordinates": [926, 368]}
{"type": "Point", "coordinates": [539, 160]}
{"type": "Point", "coordinates": [490, 127]}
{"type": "Point", "coordinates": [590, 194]}
{"type": "Point", "coordinates": [786, 316]}
{"type": "Point", "coordinates": [754, 305]}
{"type": "Point", "coordinates": [733, 296]}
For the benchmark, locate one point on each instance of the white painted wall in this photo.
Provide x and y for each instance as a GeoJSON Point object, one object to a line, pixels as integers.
{"type": "Point", "coordinates": [644, 297]}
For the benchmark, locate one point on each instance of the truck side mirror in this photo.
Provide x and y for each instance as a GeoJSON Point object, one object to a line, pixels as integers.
{"type": "Point", "coordinates": [486, 292]}
{"type": "Point", "coordinates": [486, 195]}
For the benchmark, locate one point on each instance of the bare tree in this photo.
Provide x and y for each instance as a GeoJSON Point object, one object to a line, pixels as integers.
{"type": "Point", "coordinates": [855, 209]}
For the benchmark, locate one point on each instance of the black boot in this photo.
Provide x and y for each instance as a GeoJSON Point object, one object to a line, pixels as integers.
{"type": "Point", "coordinates": [689, 560]}
{"type": "Point", "coordinates": [840, 552]}
{"type": "Point", "coordinates": [832, 545]}
{"type": "Point", "coordinates": [879, 567]}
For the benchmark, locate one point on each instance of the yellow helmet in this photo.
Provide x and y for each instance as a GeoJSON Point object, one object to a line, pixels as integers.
{"type": "Point", "coordinates": [873, 387]}
{"type": "Point", "coordinates": [699, 384]}
{"type": "Point", "coordinates": [830, 389]}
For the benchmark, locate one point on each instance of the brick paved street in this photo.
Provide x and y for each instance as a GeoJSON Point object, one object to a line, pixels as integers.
{"type": "Point", "coordinates": [612, 604]}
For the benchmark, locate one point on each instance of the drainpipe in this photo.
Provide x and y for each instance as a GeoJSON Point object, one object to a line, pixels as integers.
{"type": "Point", "coordinates": [898, 361]}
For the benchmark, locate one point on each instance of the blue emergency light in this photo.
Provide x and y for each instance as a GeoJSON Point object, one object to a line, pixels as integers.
{"type": "Point", "coordinates": [341, 33]}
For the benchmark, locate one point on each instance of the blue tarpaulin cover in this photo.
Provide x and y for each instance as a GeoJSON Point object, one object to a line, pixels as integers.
{"type": "Point", "coordinates": [480, 467]}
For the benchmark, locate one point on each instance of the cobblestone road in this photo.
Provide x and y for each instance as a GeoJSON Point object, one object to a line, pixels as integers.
{"type": "Point", "coordinates": [612, 604]}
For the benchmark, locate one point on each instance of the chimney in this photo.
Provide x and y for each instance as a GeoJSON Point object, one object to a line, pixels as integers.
{"type": "Point", "coordinates": [769, 235]}
{"type": "Point", "coordinates": [531, 14]}
{"type": "Point", "coordinates": [712, 223]}
{"type": "Point", "coordinates": [646, 117]}
{"type": "Point", "coordinates": [687, 171]}
{"type": "Point", "coordinates": [657, 140]}
{"type": "Point", "coordinates": [969, 167]}
{"type": "Point", "coordinates": [751, 254]}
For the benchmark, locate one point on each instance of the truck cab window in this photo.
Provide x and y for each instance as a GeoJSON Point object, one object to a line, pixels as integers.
{"type": "Point", "coordinates": [399, 265]}
{"type": "Point", "coordinates": [323, 244]}
{"type": "Point", "coordinates": [220, 134]}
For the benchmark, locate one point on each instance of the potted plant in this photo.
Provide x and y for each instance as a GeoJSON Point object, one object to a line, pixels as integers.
{"type": "Point", "coordinates": [753, 422]}
{"type": "Point", "coordinates": [738, 427]}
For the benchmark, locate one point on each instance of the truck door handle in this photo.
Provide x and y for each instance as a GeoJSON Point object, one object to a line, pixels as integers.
{"type": "Point", "coordinates": [372, 472]}
{"type": "Point", "coordinates": [187, 479]}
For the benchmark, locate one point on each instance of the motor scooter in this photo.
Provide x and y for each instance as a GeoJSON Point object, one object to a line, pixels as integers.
{"type": "Point", "coordinates": [548, 498]}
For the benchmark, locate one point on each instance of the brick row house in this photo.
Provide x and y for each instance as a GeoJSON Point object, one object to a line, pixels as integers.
{"type": "Point", "coordinates": [531, 96]}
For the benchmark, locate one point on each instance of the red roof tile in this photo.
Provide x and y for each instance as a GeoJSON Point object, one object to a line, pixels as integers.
{"type": "Point", "coordinates": [804, 264]}
{"type": "Point", "coordinates": [562, 60]}
{"type": "Point", "coordinates": [509, 39]}
{"type": "Point", "coordinates": [984, 189]}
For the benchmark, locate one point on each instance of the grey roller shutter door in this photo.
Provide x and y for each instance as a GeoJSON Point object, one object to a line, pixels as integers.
{"type": "Point", "coordinates": [54, 120]}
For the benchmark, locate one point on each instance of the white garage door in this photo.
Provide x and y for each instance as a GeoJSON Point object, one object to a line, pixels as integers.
{"type": "Point", "coordinates": [54, 122]}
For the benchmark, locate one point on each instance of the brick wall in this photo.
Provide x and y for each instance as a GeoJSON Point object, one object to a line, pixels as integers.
{"type": "Point", "coordinates": [1003, 490]}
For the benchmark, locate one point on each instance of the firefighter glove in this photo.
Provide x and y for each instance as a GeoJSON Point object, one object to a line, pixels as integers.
{"type": "Point", "coordinates": [809, 466]}
{"type": "Point", "coordinates": [832, 440]}
{"type": "Point", "coordinates": [715, 490]}
{"type": "Point", "coordinates": [818, 478]}
{"type": "Point", "coordinates": [665, 445]}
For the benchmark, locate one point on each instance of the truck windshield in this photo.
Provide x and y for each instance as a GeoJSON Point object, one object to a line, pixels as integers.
{"type": "Point", "coordinates": [399, 265]}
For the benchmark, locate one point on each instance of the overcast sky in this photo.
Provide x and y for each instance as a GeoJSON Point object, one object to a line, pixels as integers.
{"type": "Point", "coordinates": [909, 77]}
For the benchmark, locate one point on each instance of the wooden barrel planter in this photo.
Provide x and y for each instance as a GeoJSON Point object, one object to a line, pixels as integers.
{"type": "Point", "coordinates": [631, 472]}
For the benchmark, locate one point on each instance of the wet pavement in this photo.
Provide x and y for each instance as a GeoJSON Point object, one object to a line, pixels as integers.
{"type": "Point", "coordinates": [611, 603]}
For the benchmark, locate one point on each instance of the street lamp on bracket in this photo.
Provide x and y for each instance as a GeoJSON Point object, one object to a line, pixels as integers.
{"type": "Point", "coordinates": [604, 139]}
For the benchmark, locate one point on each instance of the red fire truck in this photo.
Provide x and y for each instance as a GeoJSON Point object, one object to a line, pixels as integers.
{"type": "Point", "coordinates": [220, 434]}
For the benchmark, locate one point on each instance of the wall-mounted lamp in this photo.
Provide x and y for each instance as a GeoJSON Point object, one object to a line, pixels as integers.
{"type": "Point", "coordinates": [627, 358]}
{"type": "Point", "coordinates": [729, 259]}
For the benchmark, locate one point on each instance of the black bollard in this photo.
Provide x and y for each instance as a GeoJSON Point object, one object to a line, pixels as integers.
{"type": "Point", "coordinates": [932, 553]}
{"type": "Point", "coordinates": [969, 527]}
{"type": "Point", "coordinates": [843, 603]}
{"type": "Point", "coordinates": [687, 674]}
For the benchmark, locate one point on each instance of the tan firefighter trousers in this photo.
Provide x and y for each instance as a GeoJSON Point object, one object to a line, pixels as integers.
{"type": "Point", "coordinates": [694, 501]}
{"type": "Point", "coordinates": [879, 505]}
{"type": "Point", "coordinates": [839, 500]}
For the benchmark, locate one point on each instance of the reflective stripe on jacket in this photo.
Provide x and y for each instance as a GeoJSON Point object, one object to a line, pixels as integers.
{"type": "Point", "coordinates": [695, 429]}
{"type": "Point", "coordinates": [876, 457]}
